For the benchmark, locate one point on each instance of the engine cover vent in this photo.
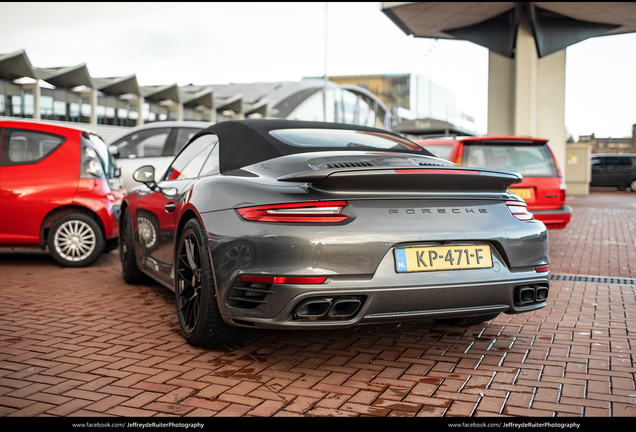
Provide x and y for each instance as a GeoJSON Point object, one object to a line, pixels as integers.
{"type": "Point", "coordinates": [348, 165]}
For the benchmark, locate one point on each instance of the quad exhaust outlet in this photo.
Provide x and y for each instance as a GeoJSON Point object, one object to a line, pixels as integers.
{"type": "Point", "coordinates": [320, 308]}
{"type": "Point", "coordinates": [527, 294]}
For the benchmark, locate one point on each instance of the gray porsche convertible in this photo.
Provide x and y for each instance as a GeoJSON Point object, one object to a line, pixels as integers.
{"type": "Point", "coordinates": [282, 224]}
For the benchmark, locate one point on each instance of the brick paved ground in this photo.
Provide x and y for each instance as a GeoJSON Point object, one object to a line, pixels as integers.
{"type": "Point", "coordinates": [80, 342]}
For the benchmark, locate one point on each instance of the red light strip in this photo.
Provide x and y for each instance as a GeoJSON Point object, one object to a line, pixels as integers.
{"type": "Point", "coordinates": [284, 279]}
{"type": "Point", "coordinates": [311, 212]}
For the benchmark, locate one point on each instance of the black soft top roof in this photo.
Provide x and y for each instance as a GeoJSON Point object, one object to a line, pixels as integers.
{"type": "Point", "coordinates": [246, 142]}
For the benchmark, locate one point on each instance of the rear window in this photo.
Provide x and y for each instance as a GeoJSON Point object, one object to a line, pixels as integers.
{"type": "Point", "coordinates": [528, 160]}
{"type": "Point", "coordinates": [343, 139]}
{"type": "Point", "coordinates": [441, 151]}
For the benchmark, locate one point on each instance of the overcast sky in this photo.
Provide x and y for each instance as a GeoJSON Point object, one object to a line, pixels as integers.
{"type": "Point", "coordinates": [219, 43]}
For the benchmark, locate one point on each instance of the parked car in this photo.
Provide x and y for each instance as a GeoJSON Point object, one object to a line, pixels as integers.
{"type": "Point", "coordinates": [543, 186]}
{"type": "Point", "coordinates": [616, 170]}
{"type": "Point", "coordinates": [311, 225]}
{"type": "Point", "coordinates": [153, 144]}
{"type": "Point", "coordinates": [55, 193]}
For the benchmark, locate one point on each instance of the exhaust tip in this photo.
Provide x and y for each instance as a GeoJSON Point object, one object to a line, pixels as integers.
{"type": "Point", "coordinates": [327, 309]}
{"type": "Point", "coordinates": [312, 308]}
{"type": "Point", "coordinates": [343, 308]}
{"type": "Point", "coordinates": [526, 295]}
{"type": "Point", "coordinates": [542, 294]}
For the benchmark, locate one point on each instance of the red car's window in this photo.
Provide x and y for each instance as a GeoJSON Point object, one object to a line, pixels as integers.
{"type": "Point", "coordinates": [528, 160]}
{"type": "Point", "coordinates": [22, 147]}
{"type": "Point", "coordinates": [441, 151]}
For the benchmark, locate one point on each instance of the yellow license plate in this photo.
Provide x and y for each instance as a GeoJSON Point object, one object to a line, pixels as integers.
{"type": "Point", "coordinates": [526, 194]}
{"type": "Point", "coordinates": [457, 257]}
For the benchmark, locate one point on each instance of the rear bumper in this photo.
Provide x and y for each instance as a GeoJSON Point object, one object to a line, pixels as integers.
{"type": "Point", "coordinates": [386, 297]}
{"type": "Point", "coordinates": [363, 285]}
{"type": "Point", "coordinates": [554, 219]}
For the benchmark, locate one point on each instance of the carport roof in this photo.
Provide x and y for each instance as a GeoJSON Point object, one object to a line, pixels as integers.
{"type": "Point", "coordinates": [15, 65]}
{"type": "Point", "coordinates": [161, 93]}
{"type": "Point", "coordinates": [67, 77]}
{"type": "Point", "coordinates": [202, 97]}
{"type": "Point", "coordinates": [235, 103]}
{"type": "Point", "coordinates": [117, 86]}
{"type": "Point", "coordinates": [493, 24]}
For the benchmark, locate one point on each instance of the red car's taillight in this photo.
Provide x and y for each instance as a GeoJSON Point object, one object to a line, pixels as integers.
{"type": "Point", "coordinates": [311, 212]}
{"type": "Point", "coordinates": [519, 209]}
{"type": "Point", "coordinates": [91, 167]}
{"type": "Point", "coordinates": [562, 195]}
{"type": "Point", "coordinates": [283, 279]}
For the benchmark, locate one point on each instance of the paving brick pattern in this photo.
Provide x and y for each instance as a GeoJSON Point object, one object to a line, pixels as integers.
{"type": "Point", "coordinates": [82, 343]}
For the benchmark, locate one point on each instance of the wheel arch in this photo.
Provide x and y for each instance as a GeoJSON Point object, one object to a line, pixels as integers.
{"type": "Point", "coordinates": [58, 212]}
{"type": "Point", "coordinates": [187, 214]}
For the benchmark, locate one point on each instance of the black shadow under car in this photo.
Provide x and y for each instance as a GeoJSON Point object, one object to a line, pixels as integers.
{"type": "Point", "coordinates": [307, 225]}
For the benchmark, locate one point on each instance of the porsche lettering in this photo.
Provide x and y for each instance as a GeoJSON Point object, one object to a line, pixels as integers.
{"type": "Point", "coordinates": [439, 211]}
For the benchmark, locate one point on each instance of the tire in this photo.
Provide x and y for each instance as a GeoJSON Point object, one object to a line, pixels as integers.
{"type": "Point", "coordinates": [129, 270]}
{"type": "Point", "coordinates": [75, 240]}
{"type": "Point", "coordinates": [197, 309]}
{"type": "Point", "coordinates": [467, 320]}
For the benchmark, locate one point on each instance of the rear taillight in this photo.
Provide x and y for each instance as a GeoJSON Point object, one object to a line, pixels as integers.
{"type": "Point", "coordinates": [519, 209]}
{"type": "Point", "coordinates": [562, 195]}
{"type": "Point", "coordinates": [283, 279]}
{"type": "Point", "coordinates": [542, 269]}
{"type": "Point", "coordinates": [311, 212]}
{"type": "Point", "coordinates": [91, 166]}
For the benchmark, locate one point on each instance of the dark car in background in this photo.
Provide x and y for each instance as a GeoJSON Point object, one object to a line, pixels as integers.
{"type": "Point", "coordinates": [543, 186]}
{"type": "Point", "coordinates": [55, 192]}
{"type": "Point", "coordinates": [614, 170]}
{"type": "Point", "coordinates": [309, 225]}
{"type": "Point", "coordinates": [153, 144]}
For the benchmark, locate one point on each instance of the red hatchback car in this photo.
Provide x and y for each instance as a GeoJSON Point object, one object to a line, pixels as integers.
{"type": "Point", "coordinates": [543, 186]}
{"type": "Point", "coordinates": [55, 193]}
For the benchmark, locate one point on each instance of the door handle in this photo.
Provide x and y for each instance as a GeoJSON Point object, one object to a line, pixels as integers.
{"type": "Point", "coordinates": [170, 207]}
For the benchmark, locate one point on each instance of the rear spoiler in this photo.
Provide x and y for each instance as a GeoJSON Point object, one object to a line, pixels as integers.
{"type": "Point", "coordinates": [407, 180]}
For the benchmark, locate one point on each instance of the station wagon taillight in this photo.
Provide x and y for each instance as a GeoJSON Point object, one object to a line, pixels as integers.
{"type": "Point", "coordinates": [310, 212]}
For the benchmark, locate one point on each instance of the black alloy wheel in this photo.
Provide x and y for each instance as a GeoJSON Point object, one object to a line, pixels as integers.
{"type": "Point", "coordinates": [199, 316]}
{"type": "Point", "coordinates": [189, 282]}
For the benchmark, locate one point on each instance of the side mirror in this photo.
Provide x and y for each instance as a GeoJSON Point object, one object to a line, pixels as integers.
{"type": "Point", "coordinates": [114, 150]}
{"type": "Point", "coordinates": [145, 175]}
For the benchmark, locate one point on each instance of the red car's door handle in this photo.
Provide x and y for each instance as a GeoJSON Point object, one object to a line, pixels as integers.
{"type": "Point", "coordinates": [170, 207]}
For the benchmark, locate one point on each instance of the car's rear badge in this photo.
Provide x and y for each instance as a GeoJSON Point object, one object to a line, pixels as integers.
{"type": "Point", "coordinates": [439, 210]}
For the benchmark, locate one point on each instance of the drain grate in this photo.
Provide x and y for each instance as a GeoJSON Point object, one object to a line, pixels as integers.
{"type": "Point", "coordinates": [593, 279]}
